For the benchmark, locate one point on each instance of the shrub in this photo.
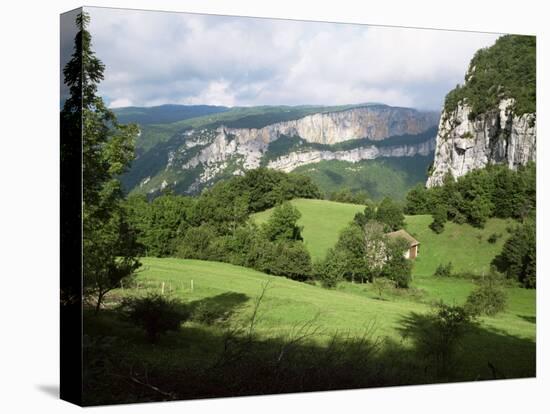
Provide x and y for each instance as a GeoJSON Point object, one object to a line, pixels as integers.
{"type": "Point", "coordinates": [518, 259]}
{"type": "Point", "coordinates": [493, 238]}
{"type": "Point", "coordinates": [209, 315]}
{"type": "Point", "coordinates": [439, 218]}
{"type": "Point", "coordinates": [487, 298]}
{"type": "Point", "coordinates": [155, 314]}
{"type": "Point", "coordinates": [381, 285]}
{"type": "Point", "coordinates": [331, 269]}
{"type": "Point", "coordinates": [444, 270]}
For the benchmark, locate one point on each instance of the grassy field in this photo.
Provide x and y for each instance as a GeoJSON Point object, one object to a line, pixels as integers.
{"type": "Point", "coordinates": [463, 245]}
{"type": "Point", "coordinates": [322, 221]}
{"type": "Point", "coordinates": [502, 346]}
{"type": "Point", "coordinates": [507, 340]}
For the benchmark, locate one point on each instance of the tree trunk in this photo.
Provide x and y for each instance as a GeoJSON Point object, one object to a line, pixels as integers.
{"type": "Point", "coordinates": [98, 303]}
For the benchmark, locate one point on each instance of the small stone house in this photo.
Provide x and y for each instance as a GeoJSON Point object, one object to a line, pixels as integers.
{"type": "Point", "coordinates": [412, 252]}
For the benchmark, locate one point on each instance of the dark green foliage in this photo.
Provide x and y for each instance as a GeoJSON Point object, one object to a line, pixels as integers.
{"type": "Point", "coordinates": [439, 218]}
{"type": "Point", "coordinates": [332, 268]}
{"type": "Point", "coordinates": [266, 188]}
{"type": "Point", "coordinates": [286, 258]}
{"type": "Point", "coordinates": [397, 268]}
{"type": "Point", "coordinates": [161, 223]}
{"type": "Point", "coordinates": [417, 201]}
{"type": "Point", "coordinates": [155, 314]}
{"type": "Point", "coordinates": [488, 298]}
{"type": "Point", "coordinates": [494, 191]}
{"type": "Point", "coordinates": [390, 214]}
{"type": "Point", "coordinates": [493, 238]}
{"type": "Point", "coordinates": [438, 335]}
{"type": "Point", "coordinates": [368, 214]}
{"type": "Point", "coordinates": [505, 70]}
{"type": "Point", "coordinates": [282, 224]}
{"type": "Point", "coordinates": [444, 270]}
{"type": "Point", "coordinates": [199, 243]}
{"type": "Point", "coordinates": [518, 259]}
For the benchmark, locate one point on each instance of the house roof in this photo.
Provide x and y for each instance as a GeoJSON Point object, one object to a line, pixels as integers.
{"type": "Point", "coordinates": [404, 235]}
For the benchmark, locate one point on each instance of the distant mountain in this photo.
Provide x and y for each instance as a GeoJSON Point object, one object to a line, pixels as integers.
{"type": "Point", "coordinates": [164, 114]}
{"type": "Point", "coordinates": [193, 153]}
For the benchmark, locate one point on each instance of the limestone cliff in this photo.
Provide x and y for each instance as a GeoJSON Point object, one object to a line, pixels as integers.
{"type": "Point", "coordinates": [496, 136]}
{"type": "Point", "coordinates": [293, 160]}
{"type": "Point", "coordinates": [376, 122]}
{"type": "Point", "coordinates": [204, 155]}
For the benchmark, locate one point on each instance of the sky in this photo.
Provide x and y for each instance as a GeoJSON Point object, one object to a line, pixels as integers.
{"type": "Point", "coordinates": [155, 58]}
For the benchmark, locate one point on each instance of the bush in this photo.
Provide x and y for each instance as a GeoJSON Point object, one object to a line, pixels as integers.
{"type": "Point", "coordinates": [444, 270]}
{"type": "Point", "coordinates": [518, 259]}
{"type": "Point", "coordinates": [488, 298]}
{"type": "Point", "coordinates": [155, 314]}
{"type": "Point", "coordinates": [438, 334]}
{"type": "Point", "coordinates": [439, 218]}
{"type": "Point", "coordinates": [331, 269]}
{"type": "Point", "coordinates": [493, 238]}
{"type": "Point", "coordinates": [381, 285]}
{"type": "Point", "coordinates": [209, 315]}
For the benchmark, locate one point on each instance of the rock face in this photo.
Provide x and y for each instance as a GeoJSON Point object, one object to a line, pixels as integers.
{"type": "Point", "coordinates": [204, 155]}
{"type": "Point", "coordinates": [495, 137]}
{"type": "Point", "coordinates": [293, 160]}
{"type": "Point", "coordinates": [373, 122]}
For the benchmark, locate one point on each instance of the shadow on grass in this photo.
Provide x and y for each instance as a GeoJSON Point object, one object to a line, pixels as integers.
{"type": "Point", "coordinates": [528, 318]}
{"type": "Point", "coordinates": [222, 360]}
{"type": "Point", "coordinates": [472, 351]}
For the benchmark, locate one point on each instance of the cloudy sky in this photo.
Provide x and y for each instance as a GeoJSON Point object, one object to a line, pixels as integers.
{"type": "Point", "coordinates": [154, 58]}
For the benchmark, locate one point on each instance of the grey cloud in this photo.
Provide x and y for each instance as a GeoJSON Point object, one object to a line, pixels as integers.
{"type": "Point", "coordinates": [157, 57]}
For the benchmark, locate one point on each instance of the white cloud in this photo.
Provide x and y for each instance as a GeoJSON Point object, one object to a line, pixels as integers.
{"type": "Point", "coordinates": [120, 103]}
{"type": "Point", "coordinates": [156, 57]}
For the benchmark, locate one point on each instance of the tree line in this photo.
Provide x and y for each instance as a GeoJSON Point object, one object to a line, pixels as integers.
{"type": "Point", "coordinates": [494, 191]}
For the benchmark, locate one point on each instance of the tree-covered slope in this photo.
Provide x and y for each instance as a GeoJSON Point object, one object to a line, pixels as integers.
{"type": "Point", "coordinates": [505, 70]}
{"type": "Point", "coordinates": [379, 178]}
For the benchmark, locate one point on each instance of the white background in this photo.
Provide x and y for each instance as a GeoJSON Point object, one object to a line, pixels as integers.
{"type": "Point", "coordinates": [29, 208]}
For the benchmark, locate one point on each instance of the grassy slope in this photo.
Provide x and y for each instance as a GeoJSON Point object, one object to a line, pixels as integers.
{"type": "Point", "coordinates": [465, 246]}
{"type": "Point", "coordinates": [351, 308]}
{"type": "Point", "coordinates": [322, 221]}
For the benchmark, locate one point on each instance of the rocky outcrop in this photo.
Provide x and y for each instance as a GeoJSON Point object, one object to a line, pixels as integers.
{"type": "Point", "coordinates": [294, 160]}
{"type": "Point", "coordinates": [495, 137]}
{"type": "Point", "coordinates": [376, 122]}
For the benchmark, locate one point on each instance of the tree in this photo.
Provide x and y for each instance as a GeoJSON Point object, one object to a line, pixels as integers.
{"type": "Point", "coordinates": [282, 224]}
{"type": "Point", "coordinates": [390, 214]}
{"type": "Point", "coordinates": [488, 298]}
{"type": "Point", "coordinates": [418, 200]}
{"type": "Point", "coordinates": [439, 217]}
{"type": "Point", "coordinates": [374, 245]}
{"type": "Point", "coordinates": [155, 314]}
{"type": "Point", "coordinates": [369, 213]}
{"type": "Point", "coordinates": [518, 259]}
{"type": "Point", "coordinates": [351, 244]}
{"type": "Point", "coordinates": [109, 244]}
{"type": "Point", "coordinates": [396, 266]}
{"type": "Point", "coordinates": [331, 269]}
